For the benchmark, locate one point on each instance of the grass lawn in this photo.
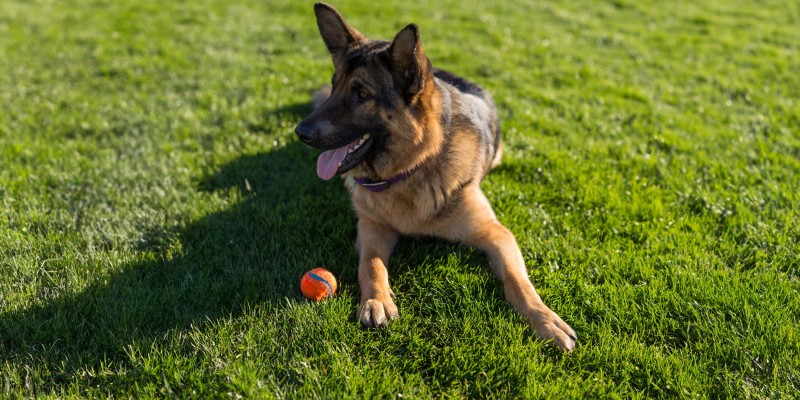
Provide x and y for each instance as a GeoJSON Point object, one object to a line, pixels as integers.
{"type": "Point", "coordinates": [157, 211]}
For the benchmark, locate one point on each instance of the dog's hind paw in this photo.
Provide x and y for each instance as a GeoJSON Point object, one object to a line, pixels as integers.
{"type": "Point", "coordinates": [377, 312]}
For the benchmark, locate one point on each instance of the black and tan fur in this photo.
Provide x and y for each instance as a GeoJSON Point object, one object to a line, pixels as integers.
{"type": "Point", "coordinates": [440, 129]}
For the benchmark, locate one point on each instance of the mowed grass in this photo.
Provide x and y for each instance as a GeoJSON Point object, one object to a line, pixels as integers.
{"type": "Point", "coordinates": [158, 211]}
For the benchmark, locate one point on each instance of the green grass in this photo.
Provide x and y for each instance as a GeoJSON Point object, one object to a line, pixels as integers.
{"type": "Point", "coordinates": [158, 211]}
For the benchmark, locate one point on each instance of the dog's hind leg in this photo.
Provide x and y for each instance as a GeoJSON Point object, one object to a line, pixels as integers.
{"type": "Point", "coordinates": [375, 244]}
{"type": "Point", "coordinates": [498, 156]}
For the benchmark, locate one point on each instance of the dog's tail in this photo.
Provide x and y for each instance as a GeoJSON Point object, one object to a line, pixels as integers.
{"type": "Point", "coordinates": [320, 96]}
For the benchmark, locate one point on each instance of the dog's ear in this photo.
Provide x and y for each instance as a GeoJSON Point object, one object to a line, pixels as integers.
{"type": "Point", "coordinates": [336, 34]}
{"type": "Point", "coordinates": [411, 70]}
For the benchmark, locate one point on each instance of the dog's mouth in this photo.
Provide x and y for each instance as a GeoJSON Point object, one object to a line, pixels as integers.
{"type": "Point", "coordinates": [343, 159]}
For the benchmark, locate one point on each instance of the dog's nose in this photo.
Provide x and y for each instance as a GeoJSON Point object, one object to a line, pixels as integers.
{"type": "Point", "coordinates": [305, 132]}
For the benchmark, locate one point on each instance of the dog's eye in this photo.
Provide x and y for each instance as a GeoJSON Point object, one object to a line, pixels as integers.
{"type": "Point", "coordinates": [363, 95]}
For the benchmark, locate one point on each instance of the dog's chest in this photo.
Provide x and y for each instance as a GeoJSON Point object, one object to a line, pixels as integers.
{"type": "Point", "coordinates": [407, 213]}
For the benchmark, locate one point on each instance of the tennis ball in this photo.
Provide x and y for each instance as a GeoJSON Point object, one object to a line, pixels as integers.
{"type": "Point", "coordinates": [318, 284]}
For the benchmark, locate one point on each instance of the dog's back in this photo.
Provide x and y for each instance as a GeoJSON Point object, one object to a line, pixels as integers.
{"type": "Point", "coordinates": [473, 105]}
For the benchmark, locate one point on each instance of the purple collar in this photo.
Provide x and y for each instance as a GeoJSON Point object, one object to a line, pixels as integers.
{"type": "Point", "coordinates": [379, 186]}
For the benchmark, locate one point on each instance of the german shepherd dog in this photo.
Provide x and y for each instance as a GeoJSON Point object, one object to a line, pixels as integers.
{"type": "Point", "coordinates": [413, 144]}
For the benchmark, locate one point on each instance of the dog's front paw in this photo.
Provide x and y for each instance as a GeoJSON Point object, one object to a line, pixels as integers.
{"type": "Point", "coordinates": [377, 311]}
{"type": "Point", "coordinates": [551, 326]}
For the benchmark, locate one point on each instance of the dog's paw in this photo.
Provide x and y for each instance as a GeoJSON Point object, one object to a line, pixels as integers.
{"type": "Point", "coordinates": [376, 312]}
{"type": "Point", "coordinates": [551, 326]}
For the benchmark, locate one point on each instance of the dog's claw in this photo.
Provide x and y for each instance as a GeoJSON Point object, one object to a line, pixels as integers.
{"type": "Point", "coordinates": [563, 336]}
{"type": "Point", "coordinates": [376, 313]}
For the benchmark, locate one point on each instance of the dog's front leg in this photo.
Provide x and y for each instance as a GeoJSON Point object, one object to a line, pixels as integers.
{"type": "Point", "coordinates": [375, 244]}
{"type": "Point", "coordinates": [509, 266]}
{"type": "Point", "coordinates": [478, 227]}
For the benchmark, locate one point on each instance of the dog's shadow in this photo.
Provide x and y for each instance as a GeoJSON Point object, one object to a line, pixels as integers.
{"type": "Point", "coordinates": [276, 221]}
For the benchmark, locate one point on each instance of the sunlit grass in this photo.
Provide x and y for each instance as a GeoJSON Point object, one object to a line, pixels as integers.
{"type": "Point", "coordinates": [158, 212]}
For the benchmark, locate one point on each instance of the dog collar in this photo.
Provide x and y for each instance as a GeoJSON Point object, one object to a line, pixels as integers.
{"type": "Point", "coordinates": [379, 186]}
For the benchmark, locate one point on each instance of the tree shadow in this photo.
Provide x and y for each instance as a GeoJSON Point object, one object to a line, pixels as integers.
{"type": "Point", "coordinates": [252, 252]}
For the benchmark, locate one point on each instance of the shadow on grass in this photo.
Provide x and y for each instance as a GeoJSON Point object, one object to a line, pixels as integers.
{"type": "Point", "coordinates": [285, 221]}
{"type": "Point", "coordinates": [253, 252]}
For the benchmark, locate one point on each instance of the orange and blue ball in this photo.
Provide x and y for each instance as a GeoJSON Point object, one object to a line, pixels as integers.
{"type": "Point", "coordinates": [318, 284]}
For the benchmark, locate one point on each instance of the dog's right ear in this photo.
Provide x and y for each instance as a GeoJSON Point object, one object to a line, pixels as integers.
{"type": "Point", "coordinates": [336, 34]}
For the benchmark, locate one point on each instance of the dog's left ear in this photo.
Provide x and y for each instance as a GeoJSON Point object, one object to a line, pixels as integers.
{"type": "Point", "coordinates": [411, 69]}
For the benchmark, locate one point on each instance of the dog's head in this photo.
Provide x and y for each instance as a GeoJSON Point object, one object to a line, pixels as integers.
{"type": "Point", "coordinates": [380, 94]}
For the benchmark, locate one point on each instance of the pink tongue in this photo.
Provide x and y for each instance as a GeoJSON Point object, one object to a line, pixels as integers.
{"type": "Point", "coordinates": [328, 162]}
